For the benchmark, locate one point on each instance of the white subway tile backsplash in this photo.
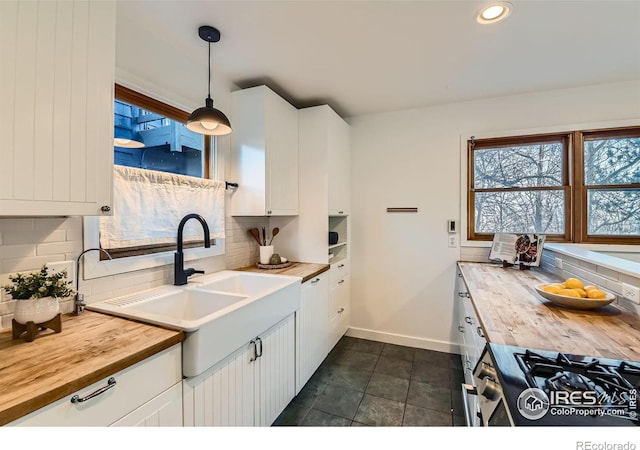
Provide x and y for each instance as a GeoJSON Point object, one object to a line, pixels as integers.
{"type": "Point", "coordinates": [633, 281]}
{"type": "Point", "coordinates": [614, 286]}
{"type": "Point", "coordinates": [64, 247]}
{"type": "Point", "coordinates": [28, 264]}
{"type": "Point", "coordinates": [23, 225]}
{"type": "Point", "coordinates": [17, 251]}
{"type": "Point", "coordinates": [20, 237]}
{"type": "Point", "coordinates": [608, 273]}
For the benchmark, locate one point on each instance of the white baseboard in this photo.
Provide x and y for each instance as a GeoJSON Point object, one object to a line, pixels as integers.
{"type": "Point", "coordinates": [400, 339]}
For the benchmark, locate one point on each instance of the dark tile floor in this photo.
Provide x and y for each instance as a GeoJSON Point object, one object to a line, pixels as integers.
{"type": "Point", "coordinates": [368, 383]}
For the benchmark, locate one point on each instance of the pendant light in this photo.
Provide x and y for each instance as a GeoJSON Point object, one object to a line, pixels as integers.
{"type": "Point", "coordinates": [209, 120]}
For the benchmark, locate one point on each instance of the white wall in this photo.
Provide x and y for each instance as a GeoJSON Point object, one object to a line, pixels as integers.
{"type": "Point", "coordinates": [402, 269]}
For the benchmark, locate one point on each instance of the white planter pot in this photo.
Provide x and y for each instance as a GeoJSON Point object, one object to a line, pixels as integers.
{"type": "Point", "coordinates": [36, 310]}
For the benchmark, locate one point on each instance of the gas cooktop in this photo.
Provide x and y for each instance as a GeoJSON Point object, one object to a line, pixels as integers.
{"type": "Point", "coordinates": [551, 388]}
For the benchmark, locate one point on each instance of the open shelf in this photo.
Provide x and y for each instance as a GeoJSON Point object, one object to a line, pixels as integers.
{"type": "Point", "coordinates": [339, 244]}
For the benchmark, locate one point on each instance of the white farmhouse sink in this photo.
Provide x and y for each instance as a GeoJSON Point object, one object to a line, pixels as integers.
{"type": "Point", "coordinates": [219, 312]}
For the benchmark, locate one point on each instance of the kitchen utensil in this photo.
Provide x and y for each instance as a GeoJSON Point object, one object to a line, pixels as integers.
{"type": "Point", "coordinates": [256, 235]}
{"type": "Point", "coordinates": [264, 236]}
{"type": "Point", "coordinates": [274, 233]}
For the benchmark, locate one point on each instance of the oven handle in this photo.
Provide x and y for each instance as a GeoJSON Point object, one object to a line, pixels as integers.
{"type": "Point", "coordinates": [468, 389]}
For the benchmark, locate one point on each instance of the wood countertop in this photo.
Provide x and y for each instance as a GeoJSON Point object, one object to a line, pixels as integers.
{"type": "Point", "coordinates": [511, 312]}
{"type": "Point", "coordinates": [297, 269]}
{"type": "Point", "coordinates": [90, 347]}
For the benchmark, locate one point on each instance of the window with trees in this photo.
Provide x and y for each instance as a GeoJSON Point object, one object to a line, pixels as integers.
{"type": "Point", "coordinates": [579, 186]}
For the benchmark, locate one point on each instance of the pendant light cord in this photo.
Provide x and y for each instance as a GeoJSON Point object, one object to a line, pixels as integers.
{"type": "Point", "coordinates": [209, 87]}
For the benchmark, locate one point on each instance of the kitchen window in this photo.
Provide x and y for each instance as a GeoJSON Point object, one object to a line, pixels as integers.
{"type": "Point", "coordinates": [579, 186]}
{"type": "Point", "coordinates": [177, 163]}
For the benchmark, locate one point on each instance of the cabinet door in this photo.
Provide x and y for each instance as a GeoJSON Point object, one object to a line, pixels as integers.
{"type": "Point", "coordinates": [165, 410]}
{"type": "Point", "coordinates": [276, 369]}
{"type": "Point", "coordinates": [339, 166]}
{"type": "Point", "coordinates": [281, 156]}
{"type": "Point", "coordinates": [311, 328]}
{"type": "Point", "coordinates": [56, 114]}
{"type": "Point", "coordinates": [223, 395]}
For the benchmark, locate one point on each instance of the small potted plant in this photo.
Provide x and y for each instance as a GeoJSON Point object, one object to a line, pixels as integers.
{"type": "Point", "coordinates": [37, 294]}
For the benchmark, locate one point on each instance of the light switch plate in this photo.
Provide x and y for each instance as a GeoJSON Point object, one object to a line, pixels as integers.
{"type": "Point", "coordinates": [631, 292]}
{"type": "Point", "coordinates": [453, 240]}
{"type": "Point", "coordinates": [69, 266]}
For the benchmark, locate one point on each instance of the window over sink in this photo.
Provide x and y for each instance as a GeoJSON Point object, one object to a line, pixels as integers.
{"type": "Point", "coordinates": [169, 163]}
{"type": "Point", "coordinates": [578, 186]}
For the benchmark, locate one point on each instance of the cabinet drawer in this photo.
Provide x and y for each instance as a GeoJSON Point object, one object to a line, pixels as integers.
{"type": "Point", "coordinates": [338, 271]}
{"type": "Point", "coordinates": [134, 386]}
{"type": "Point", "coordinates": [338, 325]}
{"type": "Point", "coordinates": [339, 295]}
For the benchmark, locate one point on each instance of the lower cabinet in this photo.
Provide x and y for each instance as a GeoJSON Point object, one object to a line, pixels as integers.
{"type": "Point", "coordinates": [147, 393]}
{"type": "Point", "coordinates": [312, 324]}
{"type": "Point", "coordinates": [339, 307]}
{"type": "Point", "coordinates": [250, 387]}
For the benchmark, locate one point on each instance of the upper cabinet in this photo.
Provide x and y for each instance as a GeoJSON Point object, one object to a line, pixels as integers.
{"type": "Point", "coordinates": [264, 154]}
{"type": "Point", "coordinates": [56, 114]}
{"type": "Point", "coordinates": [339, 153]}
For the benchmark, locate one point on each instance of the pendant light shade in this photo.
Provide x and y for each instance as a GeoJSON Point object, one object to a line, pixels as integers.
{"type": "Point", "coordinates": [209, 120]}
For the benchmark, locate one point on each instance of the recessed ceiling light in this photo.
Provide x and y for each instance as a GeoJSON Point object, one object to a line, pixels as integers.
{"type": "Point", "coordinates": [494, 12]}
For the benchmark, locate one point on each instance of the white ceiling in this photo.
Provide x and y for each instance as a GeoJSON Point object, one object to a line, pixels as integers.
{"type": "Point", "coordinates": [372, 56]}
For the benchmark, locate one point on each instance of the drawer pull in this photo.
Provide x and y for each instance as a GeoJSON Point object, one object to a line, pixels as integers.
{"type": "Point", "coordinates": [111, 382]}
{"type": "Point", "coordinates": [315, 281]}
{"type": "Point", "coordinates": [341, 310]}
{"type": "Point", "coordinates": [469, 320]}
{"type": "Point", "coordinates": [341, 281]}
{"type": "Point", "coordinates": [340, 266]}
{"type": "Point", "coordinates": [460, 328]}
{"type": "Point", "coordinates": [255, 351]}
{"type": "Point", "coordinates": [480, 333]}
{"type": "Point", "coordinates": [260, 342]}
{"type": "Point", "coordinates": [463, 294]}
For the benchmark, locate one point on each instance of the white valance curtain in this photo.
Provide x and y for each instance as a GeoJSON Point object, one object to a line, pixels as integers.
{"type": "Point", "coordinates": [148, 206]}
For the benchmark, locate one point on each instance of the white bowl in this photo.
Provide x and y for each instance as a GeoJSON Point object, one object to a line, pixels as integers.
{"type": "Point", "coordinates": [574, 302]}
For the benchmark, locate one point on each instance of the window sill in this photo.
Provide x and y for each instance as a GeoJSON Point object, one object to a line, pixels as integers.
{"type": "Point", "coordinates": [594, 253]}
{"type": "Point", "coordinates": [94, 268]}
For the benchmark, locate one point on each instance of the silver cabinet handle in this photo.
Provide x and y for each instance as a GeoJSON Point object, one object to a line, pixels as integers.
{"type": "Point", "coordinates": [340, 266]}
{"type": "Point", "coordinates": [260, 342]}
{"type": "Point", "coordinates": [341, 281]}
{"type": "Point", "coordinates": [463, 294]}
{"type": "Point", "coordinates": [340, 212]}
{"type": "Point", "coordinates": [460, 328]}
{"type": "Point", "coordinates": [315, 281]}
{"type": "Point", "coordinates": [468, 389]}
{"type": "Point", "coordinates": [469, 320]}
{"type": "Point", "coordinates": [341, 310]}
{"type": "Point", "coordinates": [480, 333]}
{"type": "Point", "coordinates": [255, 351]}
{"type": "Point", "coordinates": [111, 382]}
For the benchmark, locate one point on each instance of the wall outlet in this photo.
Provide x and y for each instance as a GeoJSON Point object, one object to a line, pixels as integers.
{"type": "Point", "coordinates": [453, 240]}
{"type": "Point", "coordinates": [631, 292]}
{"type": "Point", "coordinates": [558, 263]}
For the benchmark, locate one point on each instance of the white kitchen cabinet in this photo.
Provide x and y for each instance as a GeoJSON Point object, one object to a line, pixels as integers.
{"type": "Point", "coordinates": [312, 326]}
{"type": "Point", "coordinates": [339, 153]}
{"type": "Point", "coordinates": [472, 338]}
{"type": "Point", "coordinates": [56, 114]}
{"type": "Point", "coordinates": [264, 154]}
{"type": "Point", "coordinates": [165, 410]}
{"type": "Point", "coordinates": [150, 387]}
{"type": "Point", "coordinates": [339, 305]}
{"type": "Point", "coordinates": [250, 387]}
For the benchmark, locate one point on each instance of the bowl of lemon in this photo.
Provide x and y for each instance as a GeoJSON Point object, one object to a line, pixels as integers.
{"type": "Point", "coordinates": [572, 293]}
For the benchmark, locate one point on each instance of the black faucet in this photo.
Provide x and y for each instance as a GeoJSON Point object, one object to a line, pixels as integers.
{"type": "Point", "coordinates": [179, 272]}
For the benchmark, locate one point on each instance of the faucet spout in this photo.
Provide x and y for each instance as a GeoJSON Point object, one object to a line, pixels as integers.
{"type": "Point", "coordinates": [180, 273]}
{"type": "Point", "coordinates": [79, 303]}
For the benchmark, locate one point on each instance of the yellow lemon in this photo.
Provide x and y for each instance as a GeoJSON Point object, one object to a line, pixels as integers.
{"type": "Point", "coordinates": [581, 292]}
{"type": "Point", "coordinates": [596, 293]}
{"type": "Point", "coordinates": [568, 293]}
{"type": "Point", "coordinates": [552, 288]}
{"type": "Point", "coordinates": [588, 288]}
{"type": "Point", "coordinates": [573, 283]}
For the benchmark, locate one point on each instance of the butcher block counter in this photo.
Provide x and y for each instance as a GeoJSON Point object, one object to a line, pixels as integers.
{"type": "Point", "coordinates": [511, 312]}
{"type": "Point", "coordinates": [297, 269]}
{"type": "Point", "coordinates": [90, 347]}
